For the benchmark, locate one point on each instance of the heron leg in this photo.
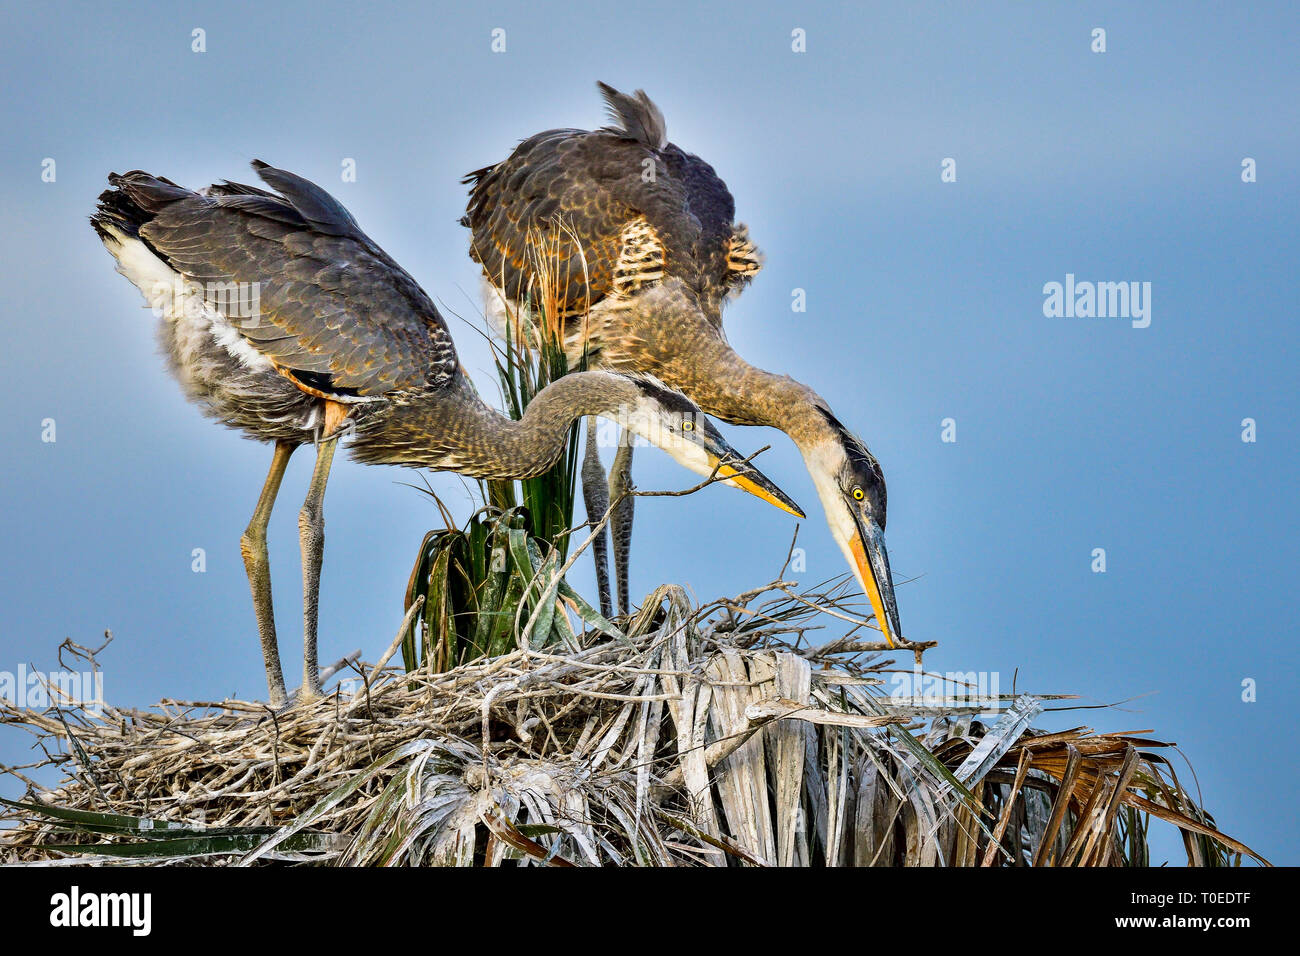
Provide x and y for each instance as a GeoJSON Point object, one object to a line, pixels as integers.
{"type": "Point", "coordinates": [311, 537]}
{"type": "Point", "coordinates": [257, 564]}
{"type": "Point", "coordinates": [620, 522]}
{"type": "Point", "coordinates": [595, 495]}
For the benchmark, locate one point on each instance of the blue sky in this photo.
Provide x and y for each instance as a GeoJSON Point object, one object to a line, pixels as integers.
{"type": "Point", "coordinates": [924, 302]}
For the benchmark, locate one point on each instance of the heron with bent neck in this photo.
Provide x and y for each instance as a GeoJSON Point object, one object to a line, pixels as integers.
{"type": "Point", "coordinates": [643, 240]}
{"type": "Point", "coordinates": [344, 340]}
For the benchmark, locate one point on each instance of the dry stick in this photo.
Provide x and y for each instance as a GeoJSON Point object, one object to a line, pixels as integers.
{"type": "Point", "coordinates": [900, 644]}
{"type": "Point", "coordinates": [601, 695]}
{"type": "Point", "coordinates": [486, 709]}
{"type": "Point", "coordinates": [214, 705]}
{"type": "Point", "coordinates": [413, 610]}
{"type": "Point", "coordinates": [328, 672]}
{"type": "Point", "coordinates": [757, 614]}
{"type": "Point", "coordinates": [744, 597]}
{"type": "Point", "coordinates": [790, 552]}
{"type": "Point", "coordinates": [711, 479]}
{"type": "Point", "coordinates": [80, 650]}
{"type": "Point", "coordinates": [574, 663]}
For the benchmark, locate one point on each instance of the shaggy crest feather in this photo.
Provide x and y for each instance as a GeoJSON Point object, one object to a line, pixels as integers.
{"type": "Point", "coordinates": [635, 116]}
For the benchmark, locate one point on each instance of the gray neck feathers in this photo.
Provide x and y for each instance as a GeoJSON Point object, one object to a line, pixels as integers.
{"type": "Point", "coordinates": [452, 428]}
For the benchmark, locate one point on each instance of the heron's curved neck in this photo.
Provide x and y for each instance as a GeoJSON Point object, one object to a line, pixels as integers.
{"type": "Point", "coordinates": [726, 386]}
{"type": "Point", "coordinates": [453, 429]}
{"type": "Point", "coordinates": [666, 333]}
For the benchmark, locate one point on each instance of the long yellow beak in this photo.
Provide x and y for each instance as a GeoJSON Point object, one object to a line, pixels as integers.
{"type": "Point", "coordinates": [758, 485]}
{"type": "Point", "coordinates": [873, 572]}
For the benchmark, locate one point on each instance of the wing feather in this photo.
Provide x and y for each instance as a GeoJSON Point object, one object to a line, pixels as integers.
{"type": "Point", "coordinates": [330, 301]}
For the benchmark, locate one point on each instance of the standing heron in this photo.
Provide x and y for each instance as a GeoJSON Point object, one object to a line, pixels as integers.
{"type": "Point", "coordinates": [647, 251]}
{"type": "Point", "coordinates": [282, 319]}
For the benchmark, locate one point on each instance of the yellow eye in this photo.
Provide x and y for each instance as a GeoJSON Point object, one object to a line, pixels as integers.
{"type": "Point", "coordinates": [688, 425]}
{"type": "Point", "coordinates": [857, 494]}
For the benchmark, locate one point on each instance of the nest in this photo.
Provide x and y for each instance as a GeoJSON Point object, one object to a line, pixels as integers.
{"type": "Point", "coordinates": [714, 735]}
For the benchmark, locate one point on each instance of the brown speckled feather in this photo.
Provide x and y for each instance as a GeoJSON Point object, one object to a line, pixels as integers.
{"type": "Point", "coordinates": [582, 189]}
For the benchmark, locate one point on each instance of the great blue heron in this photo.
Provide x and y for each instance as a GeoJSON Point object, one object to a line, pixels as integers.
{"type": "Point", "coordinates": [645, 248]}
{"type": "Point", "coordinates": [282, 319]}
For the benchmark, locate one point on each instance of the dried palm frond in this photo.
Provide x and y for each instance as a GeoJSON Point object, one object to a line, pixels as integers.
{"type": "Point", "coordinates": [695, 736]}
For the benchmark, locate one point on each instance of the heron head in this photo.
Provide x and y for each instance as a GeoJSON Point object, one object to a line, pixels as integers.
{"type": "Point", "coordinates": [852, 490]}
{"type": "Point", "coordinates": [669, 420]}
